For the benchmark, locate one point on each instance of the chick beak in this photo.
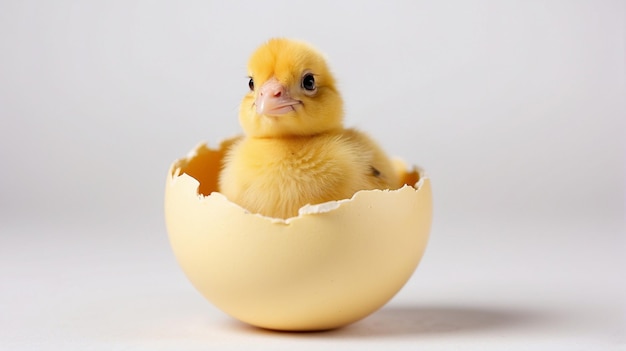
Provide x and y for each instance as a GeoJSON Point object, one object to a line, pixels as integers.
{"type": "Point", "coordinates": [273, 99]}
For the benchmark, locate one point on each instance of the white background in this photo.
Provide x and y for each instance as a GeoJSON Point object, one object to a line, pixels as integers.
{"type": "Point", "coordinates": [515, 108]}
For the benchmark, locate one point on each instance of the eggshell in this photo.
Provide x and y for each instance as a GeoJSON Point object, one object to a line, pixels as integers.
{"type": "Point", "coordinates": [332, 265]}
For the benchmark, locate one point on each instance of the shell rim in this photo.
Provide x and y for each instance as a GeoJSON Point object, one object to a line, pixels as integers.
{"type": "Point", "coordinates": [175, 173]}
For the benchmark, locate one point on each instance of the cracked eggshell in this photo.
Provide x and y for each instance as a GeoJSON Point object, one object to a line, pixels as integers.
{"type": "Point", "coordinates": [332, 265]}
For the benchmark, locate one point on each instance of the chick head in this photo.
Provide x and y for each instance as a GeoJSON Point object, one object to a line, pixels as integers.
{"type": "Point", "coordinates": [292, 92]}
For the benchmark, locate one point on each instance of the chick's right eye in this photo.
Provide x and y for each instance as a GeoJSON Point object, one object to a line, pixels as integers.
{"type": "Point", "coordinates": [251, 84]}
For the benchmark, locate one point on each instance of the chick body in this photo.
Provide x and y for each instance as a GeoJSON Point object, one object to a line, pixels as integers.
{"type": "Point", "coordinates": [296, 151]}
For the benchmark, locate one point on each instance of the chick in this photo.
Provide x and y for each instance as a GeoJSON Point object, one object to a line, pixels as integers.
{"type": "Point", "coordinates": [295, 150]}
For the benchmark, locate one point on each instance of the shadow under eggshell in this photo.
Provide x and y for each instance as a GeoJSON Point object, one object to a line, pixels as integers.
{"type": "Point", "coordinates": [320, 270]}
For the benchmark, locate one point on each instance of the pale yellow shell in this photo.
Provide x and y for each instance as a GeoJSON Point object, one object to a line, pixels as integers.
{"type": "Point", "coordinates": [332, 265]}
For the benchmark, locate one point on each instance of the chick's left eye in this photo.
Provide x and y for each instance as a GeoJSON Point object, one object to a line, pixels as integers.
{"type": "Point", "coordinates": [251, 84]}
{"type": "Point", "coordinates": [308, 82]}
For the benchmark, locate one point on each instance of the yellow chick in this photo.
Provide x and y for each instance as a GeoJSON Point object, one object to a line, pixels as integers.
{"type": "Point", "coordinates": [295, 150]}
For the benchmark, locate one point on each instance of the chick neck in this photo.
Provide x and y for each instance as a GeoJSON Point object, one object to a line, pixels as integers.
{"type": "Point", "coordinates": [292, 137]}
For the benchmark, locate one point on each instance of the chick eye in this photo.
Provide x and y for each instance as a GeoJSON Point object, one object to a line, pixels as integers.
{"type": "Point", "coordinates": [251, 84]}
{"type": "Point", "coordinates": [308, 82]}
